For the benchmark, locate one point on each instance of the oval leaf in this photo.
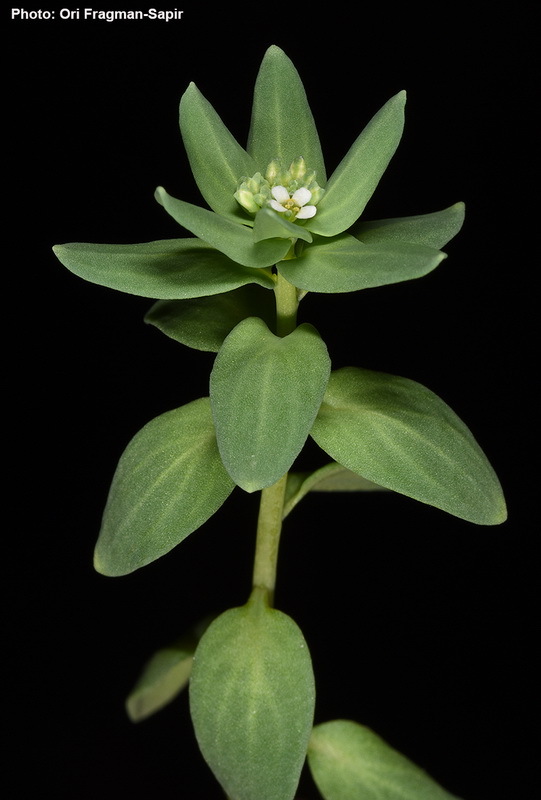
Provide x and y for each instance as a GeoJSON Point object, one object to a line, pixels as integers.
{"type": "Point", "coordinates": [170, 269]}
{"type": "Point", "coordinates": [398, 434]}
{"type": "Point", "coordinates": [265, 393]}
{"type": "Point", "coordinates": [169, 481]}
{"type": "Point", "coordinates": [343, 264]}
{"type": "Point", "coordinates": [252, 701]}
{"type": "Point", "coordinates": [282, 125]}
{"type": "Point", "coordinates": [216, 158]}
{"type": "Point", "coordinates": [349, 762]}
{"type": "Point", "coordinates": [204, 322]}
{"type": "Point", "coordinates": [352, 184]}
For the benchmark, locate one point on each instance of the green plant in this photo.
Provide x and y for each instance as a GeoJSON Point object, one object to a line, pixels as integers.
{"type": "Point", "coordinates": [277, 230]}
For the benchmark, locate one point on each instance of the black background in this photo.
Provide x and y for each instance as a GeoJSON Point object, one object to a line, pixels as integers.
{"type": "Point", "coordinates": [421, 626]}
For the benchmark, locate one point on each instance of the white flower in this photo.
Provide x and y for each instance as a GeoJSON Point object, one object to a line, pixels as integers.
{"type": "Point", "coordinates": [294, 206]}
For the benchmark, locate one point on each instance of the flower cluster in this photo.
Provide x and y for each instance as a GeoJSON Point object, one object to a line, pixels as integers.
{"type": "Point", "coordinates": [293, 192]}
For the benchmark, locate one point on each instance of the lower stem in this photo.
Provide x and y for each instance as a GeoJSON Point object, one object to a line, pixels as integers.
{"type": "Point", "coordinates": [269, 528]}
{"type": "Point", "coordinates": [269, 524]}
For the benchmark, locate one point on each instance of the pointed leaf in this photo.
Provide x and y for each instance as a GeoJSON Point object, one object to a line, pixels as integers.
{"type": "Point", "coordinates": [204, 322]}
{"type": "Point", "coordinates": [252, 701]}
{"type": "Point", "coordinates": [236, 241]}
{"type": "Point", "coordinates": [349, 762]}
{"type": "Point", "coordinates": [164, 675]}
{"type": "Point", "coordinates": [268, 224]}
{"type": "Point", "coordinates": [175, 268]}
{"type": "Point", "coordinates": [265, 393]}
{"type": "Point", "coordinates": [343, 264]}
{"type": "Point", "coordinates": [216, 158]}
{"type": "Point", "coordinates": [433, 230]}
{"type": "Point", "coordinates": [352, 184]}
{"type": "Point", "coordinates": [332, 477]}
{"type": "Point", "coordinates": [169, 481]}
{"type": "Point", "coordinates": [397, 433]}
{"type": "Point", "coordinates": [282, 124]}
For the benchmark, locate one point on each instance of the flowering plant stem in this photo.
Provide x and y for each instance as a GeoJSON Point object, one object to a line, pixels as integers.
{"type": "Point", "coordinates": [233, 288]}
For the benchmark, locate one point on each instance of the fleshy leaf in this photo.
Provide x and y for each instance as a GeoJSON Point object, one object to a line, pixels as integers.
{"type": "Point", "coordinates": [252, 701]}
{"type": "Point", "coordinates": [234, 240]}
{"type": "Point", "coordinates": [433, 230]}
{"type": "Point", "coordinates": [282, 126]}
{"type": "Point", "coordinates": [353, 182]}
{"type": "Point", "coordinates": [216, 158]}
{"type": "Point", "coordinates": [265, 393]}
{"type": "Point", "coordinates": [344, 264]}
{"type": "Point", "coordinates": [349, 761]}
{"type": "Point", "coordinates": [397, 433]}
{"type": "Point", "coordinates": [164, 675]}
{"type": "Point", "coordinates": [204, 322]}
{"type": "Point", "coordinates": [170, 269]}
{"type": "Point", "coordinates": [332, 477]}
{"type": "Point", "coordinates": [169, 481]}
{"type": "Point", "coordinates": [268, 224]}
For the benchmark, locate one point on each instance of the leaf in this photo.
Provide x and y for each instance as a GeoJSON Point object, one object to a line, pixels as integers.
{"type": "Point", "coordinates": [343, 264]}
{"type": "Point", "coordinates": [171, 269]}
{"type": "Point", "coordinates": [397, 433]}
{"type": "Point", "coordinates": [216, 158]}
{"type": "Point", "coordinates": [282, 126]}
{"type": "Point", "coordinates": [234, 240]}
{"type": "Point", "coordinates": [433, 230]}
{"type": "Point", "coordinates": [265, 393]}
{"type": "Point", "coordinates": [268, 224]}
{"type": "Point", "coordinates": [204, 322]}
{"type": "Point", "coordinates": [169, 481]}
{"type": "Point", "coordinates": [164, 675]}
{"type": "Point", "coordinates": [352, 184]}
{"type": "Point", "coordinates": [252, 701]}
{"type": "Point", "coordinates": [349, 761]}
{"type": "Point", "coordinates": [332, 477]}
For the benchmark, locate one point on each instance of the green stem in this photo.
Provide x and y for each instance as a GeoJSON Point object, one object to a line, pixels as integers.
{"type": "Point", "coordinates": [271, 509]}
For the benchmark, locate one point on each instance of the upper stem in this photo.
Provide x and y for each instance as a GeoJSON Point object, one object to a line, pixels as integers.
{"type": "Point", "coordinates": [271, 509]}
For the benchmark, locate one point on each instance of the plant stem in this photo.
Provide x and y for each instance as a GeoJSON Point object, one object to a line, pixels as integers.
{"type": "Point", "coordinates": [269, 527]}
{"type": "Point", "coordinates": [269, 524]}
{"type": "Point", "coordinates": [287, 304]}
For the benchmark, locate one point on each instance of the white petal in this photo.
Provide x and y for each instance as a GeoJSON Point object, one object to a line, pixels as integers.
{"type": "Point", "coordinates": [306, 212]}
{"type": "Point", "coordinates": [277, 207]}
{"type": "Point", "coordinates": [302, 196]}
{"type": "Point", "coordinates": [280, 193]}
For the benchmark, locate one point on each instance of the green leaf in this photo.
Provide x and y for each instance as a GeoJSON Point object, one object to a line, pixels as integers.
{"type": "Point", "coordinates": [332, 477]}
{"type": "Point", "coordinates": [352, 184]}
{"type": "Point", "coordinates": [204, 322]}
{"type": "Point", "coordinates": [265, 393]}
{"type": "Point", "coordinates": [349, 762]}
{"type": "Point", "coordinates": [269, 224]}
{"type": "Point", "coordinates": [169, 481]}
{"type": "Point", "coordinates": [171, 269]}
{"type": "Point", "coordinates": [343, 264]}
{"type": "Point", "coordinates": [164, 675]}
{"type": "Point", "coordinates": [433, 230]}
{"type": "Point", "coordinates": [216, 158]}
{"type": "Point", "coordinates": [397, 433]}
{"type": "Point", "coordinates": [234, 240]}
{"type": "Point", "coordinates": [252, 701]}
{"type": "Point", "coordinates": [282, 125]}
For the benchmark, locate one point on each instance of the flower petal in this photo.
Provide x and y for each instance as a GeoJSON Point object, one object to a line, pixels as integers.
{"type": "Point", "coordinates": [307, 212]}
{"type": "Point", "coordinates": [276, 205]}
{"type": "Point", "coordinates": [280, 193]}
{"type": "Point", "coordinates": [302, 196]}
